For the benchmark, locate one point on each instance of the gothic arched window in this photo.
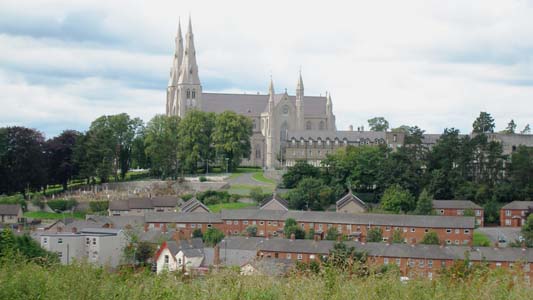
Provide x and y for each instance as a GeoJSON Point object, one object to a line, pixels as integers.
{"type": "Point", "coordinates": [188, 94]}
{"type": "Point", "coordinates": [257, 151]}
{"type": "Point", "coordinates": [194, 94]}
{"type": "Point", "coordinates": [321, 125]}
{"type": "Point", "coordinates": [254, 124]}
{"type": "Point", "coordinates": [308, 125]}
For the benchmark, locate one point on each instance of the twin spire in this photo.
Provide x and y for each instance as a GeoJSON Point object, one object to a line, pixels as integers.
{"type": "Point", "coordinates": [184, 68]}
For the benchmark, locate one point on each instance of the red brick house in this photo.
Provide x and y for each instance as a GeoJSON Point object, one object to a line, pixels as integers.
{"type": "Point", "coordinates": [514, 214]}
{"type": "Point", "coordinates": [458, 208]}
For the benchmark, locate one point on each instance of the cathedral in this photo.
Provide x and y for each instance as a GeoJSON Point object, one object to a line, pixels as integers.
{"type": "Point", "coordinates": [286, 128]}
{"type": "Point", "coordinates": [274, 115]}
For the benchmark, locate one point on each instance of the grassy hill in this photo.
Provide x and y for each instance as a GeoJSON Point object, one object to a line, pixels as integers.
{"type": "Point", "coordinates": [23, 280]}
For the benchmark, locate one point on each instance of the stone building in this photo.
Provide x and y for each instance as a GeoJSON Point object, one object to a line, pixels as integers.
{"type": "Point", "coordinates": [286, 128]}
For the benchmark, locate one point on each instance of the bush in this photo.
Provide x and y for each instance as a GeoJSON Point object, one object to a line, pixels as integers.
{"type": "Point", "coordinates": [197, 233]}
{"type": "Point", "coordinates": [374, 235]}
{"type": "Point", "coordinates": [234, 197]}
{"type": "Point", "coordinates": [251, 230]}
{"type": "Point", "coordinates": [15, 199]}
{"type": "Point", "coordinates": [202, 179]}
{"type": "Point", "coordinates": [187, 197]}
{"type": "Point", "coordinates": [213, 197]}
{"type": "Point", "coordinates": [332, 234]}
{"type": "Point", "coordinates": [256, 193]}
{"type": "Point", "coordinates": [37, 201]}
{"type": "Point", "coordinates": [430, 238]}
{"type": "Point", "coordinates": [62, 205]}
{"type": "Point", "coordinates": [99, 206]}
{"type": "Point", "coordinates": [212, 237]}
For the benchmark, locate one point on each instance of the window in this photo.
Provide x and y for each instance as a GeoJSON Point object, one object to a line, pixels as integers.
{"type": "Point", "coordinates": [60, 241]}
{"type": "Point", "coordinates": [194, 94]}
{"type": "Point", "coordinates": [300, 256]}
{"type": "Point", "coordinates": [257, 152]}
{"type": "Point", "coordinates": [285, 109]}
{"type": "Point", "coordinates": [508, 213]}
{"type": "Point", "coordinates": [302, 225]}
{"type": "Point", "coordinates": [261, 222]}
{"type": "Point", "coordinates": [209, 225]}
{"type": "Point", "coordinates": [398, 261]}
{"type": "Point", "coordinates": [228, 222]}
{"type": "Point", "coordinates": [254, 222]}
{"type": "Point", "coordinates": [498, 265]}
{"type": "Point", "coordinates": [405, 229]}
{"type": "Point", "coordinates": [385, 261]}
{"type": "Point", "coordinates": [288, 256]}
{"type": "Point", "coordinates": [421, 263]}
{"type": "Point", "coordinates": [321, 125]}
{"type": "Point", "coordinates": [457, 242]}
{"type": "Point", "coordinates": [426, 230]}
{"type": "Point", "coordinates": [308, 125]}
{"type": "Point", "coordinates": [430, 263]}
{"type": "Point", "coordinates": [448, 230]}
{"type": "Point", "coordinates": [478, 212]}
{"type": "Point", "coordinates": [235, 222]}
{"type": "Point", "coordinates": [45, 240]}
{"type": "Point", "coordinates": [449, 242]}
{"type": "Point", "coordinates": [457, 231]}
{"type": "Point", "coordinates": [319, 226]}
{"type": "Point", "coordinates": [387, 228]}
{"type": "Point", "coordinates": [87, 241]}
{"type": "Point", "coordinates": [166, 259]}
{"type": "Point", "coordinates": [411, 262]}
{"type": "Point", "coordinates": [465, 242]}
{"type": "Point", "coordinates": [245, 222]}
{"type": "Point", "coordinates": [412, 230]}
{"type": "Point", "coordinates": [254, 124]}
{"type": "Point", "coordinates": [235, 232]}
{"type": "Point", "coordinates": [441, 211]}
{"type": "Point", "coordinates": [460, 212]}
{"type": "Point", "coordinates": [261, 233]}
{"type": "Point", "coordinates": [94, 241]}
{"type": "Point", "coordinates": [60, 254]}
{"type": "Point", "coordinates": [330, 225]}
{"type": "Point", "coordinates": [193, 225]}
{"type": "Point", "coordinates": [188, 94]}
{"type": "Point", "coordinates": [467, 231]}
{"type": "Point", "coordinates": [275, 223]}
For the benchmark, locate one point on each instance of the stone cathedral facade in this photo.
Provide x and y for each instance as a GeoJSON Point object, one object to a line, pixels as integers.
{"type": "Point", "coordinates": [286, 128]}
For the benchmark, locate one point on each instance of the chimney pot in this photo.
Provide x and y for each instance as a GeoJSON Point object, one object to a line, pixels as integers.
{"type": "Point", "coordinates": [293, 236]}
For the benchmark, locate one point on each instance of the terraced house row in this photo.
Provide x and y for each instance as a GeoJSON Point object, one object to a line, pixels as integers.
{"type": "Point", "coordinates": [412, 260]}
{"type": "Point", "coordinates": [455, 230]}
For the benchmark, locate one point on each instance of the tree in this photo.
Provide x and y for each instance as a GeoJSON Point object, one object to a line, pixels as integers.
{"type": "Point", "coordinates": [251, 230]}
{"type": "Point", "coordinates": [197, 233]}
{"type": "Point", "coordinates": [300, 170]}
{"type": "Point", "coordinates": [374, 235]}
{"type": "Point", "coordinates": [511, 127]}
{"type": "Point", "coordinates": [430, 238]}
{"type": "Point", "coordinates": [526, 130]}
{"type": "Point", "coordinates": [144, 252]}
{"type": "Point", "coordinates": [231, 138]}
{"type": "Point", "coordinates": [256, 193]}
{"type": "Point", "coordinates": [424, 205]}
{"type": "Point", "coordinates": [61, 163]}
{"type": "Point", "coordinates": [213, 236]}
{"type": "Point", "coordinates": [343, 257]}
{"type": "Point", "coordinates": [527, 231]}
{"type": "Point", "coordinates": [196, 133]}
{"type": "Point", "coordinates": [312, 194]}
{"type": "Point", "coordinates": [22, 160]}
{"type": "Point", "coordinates": [161, 145]}
{"type": "Point", "coordinates": [397, 236]}
{"type": "Point", "coordinates": [484, 123]}
{"type": "Point", "coordinates": [491, 212]}
{"type": "Point", "coordinates": [378, 124]}
{"type": "Point", "coordinates": [397, 199]}
{"type": "Point", "coordinates": [332, 234]}
{"type": "Point", "coordinates": [291, 227]}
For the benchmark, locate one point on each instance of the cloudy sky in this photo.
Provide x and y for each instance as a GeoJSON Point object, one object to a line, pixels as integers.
{"type": "Point", "coordinates": [434, 64]}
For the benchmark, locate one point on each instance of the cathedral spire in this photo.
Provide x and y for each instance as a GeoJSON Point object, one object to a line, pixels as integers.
{"type": "Point", "coordinates": [300, 118]}
{"type": "Point", "coordinates": [300, 85]}
{"type": "Point", "coordinates": [178, 57]}
{"type": "Point", "coordinates": [189, 68]}
{"type": "Point", "coordinates": [271, 89]}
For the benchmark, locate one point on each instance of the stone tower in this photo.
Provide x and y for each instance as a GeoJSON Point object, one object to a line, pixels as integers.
{"type": "Point", "coordinates": [172, 103]}
{"type": "Point", "coordinates": [189, 88]}
{"type": "Point", "coordinates": [300, 103]}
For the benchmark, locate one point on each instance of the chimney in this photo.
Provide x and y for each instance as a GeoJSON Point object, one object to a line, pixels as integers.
{"type": "Point", "coordinates": [216, 258]}
{"type": "Point", "coordinates": [146, 227]}
{"type": "Point", "coordinates": [293, 236]}
{"type": "Point", "coordinates": [350, 128]}
{"type": "Point", "coordinates": [164, 228]}
{"type": "Point", "coordinates": [316, 237]}
{"type": "Point", "coordinates": [74, 229]}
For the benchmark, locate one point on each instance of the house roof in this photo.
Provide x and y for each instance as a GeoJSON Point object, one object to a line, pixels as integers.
{"type": "Point", "coordinates": [119, 205]}
{"type": "Point", "coordinates": [192, 248]}
{"type": "Point", "coordinates": [140, 203]}
{"type": "Point", "coordinates": [164, 201]}
{"type": "Point", "coordinates": [340, 135]}
{"type": "Point", "coordinates": [191, 205]}
{"type": "Point", "coordinates": [277, 198]}
{"type": "Point", "coordinates": [272, 266]}
{"type": "Point", "coordinates": [10, 209]}
{"type": "Point", "coordinates": [170, 217]}
{"type": "Point", "coordinates": [461, 204]}
{"type": "Point", "coordinates": [241, 243]}
{"type": "Point", "coordinates": [349, 197]}
{"type": "Point", "coordinates": [518, 205]}
{"type": "Point", "coordinates": [296, 246]}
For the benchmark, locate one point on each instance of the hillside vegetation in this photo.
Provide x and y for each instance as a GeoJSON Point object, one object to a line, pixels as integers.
{"type": "Point", "coordinates": [27, 280]}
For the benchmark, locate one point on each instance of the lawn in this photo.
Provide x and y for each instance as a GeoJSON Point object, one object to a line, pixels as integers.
{"type": "Point", "coordinates": [232, 205]}
{"type": "Point", "coordinates": [259, 176]}
{"type": "Point", "coordinates": [244, 189]}
{"type": "Point", "coordinates": [481, 239]}
{"type": "Point", "coordinates": [53, 216]}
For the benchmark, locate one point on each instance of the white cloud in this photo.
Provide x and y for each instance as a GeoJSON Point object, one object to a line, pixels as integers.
{"type": "Point", "coordinates": [435, 64]}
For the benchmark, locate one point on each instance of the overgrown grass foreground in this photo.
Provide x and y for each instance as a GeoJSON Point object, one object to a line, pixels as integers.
{"type": "Point", "coordinates": [27, 280]}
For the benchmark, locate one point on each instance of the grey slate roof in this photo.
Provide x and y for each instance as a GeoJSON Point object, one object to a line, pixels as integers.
{"type": "Point", "coordinates": [164, 201]}
{"type": "Point", "coordinates": [192, 248]}
{"type": "Point", "coordinates": [349, 197]}
{"type": "Point", "coordinates": [253, 104]}
{"type": "Point", "coordinates": [191, 205]}
{"type": "Point", "coordinates": [297, 246]}
{"type": "Point", "coordinates": [140, 203]}
{"type": "Point", "coordinates": [119, 205]}
{"type": "Point", "coordinates": [350, 136]}
{"type": "Point", "coordinates": [9, 209]}
{"type": "Point", "coordinates": [170, 217]}
{"type": "Point", "coordinates": [518, 205]}
{"type": "Point", "coordinates": [275, 197]}
{"type": "Point", "coordinates": [241, 243]}
{"type": "Point", "coordinates": [460, 204]}
{"type": "Point", "coordinates": [117, 221]}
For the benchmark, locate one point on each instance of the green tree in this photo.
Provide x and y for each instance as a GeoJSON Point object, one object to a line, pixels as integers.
{"type": "Point", "coordinates": [231, 138]}
{"type": "Point", "coordinates": [213, 236]}
{"type": "Point", "coordinates": [511, 127]}
{"type": "Point", "coordinates": [484, 123]}
{"type": "Point", "coordinates": [397, 199]}
{"type": "Point", "coordinates": [491, 211]}
{"type": "Point", "coordinates": [162, 144]}
{"type": "Point", "coordinates": [61, 164]}
{"type": "Point", "coordinates": [430, 238]}
{"type": "Point", "coordinates": [299, 171]}
{"type": "Point", "coordinates": [424, 205]}
{"type": "Point", "coordinates": [196, 133]}
{"type": "Point", "coordinates": [144, 252]}
{"type": "Point", "coordinates": [256, 193]}
{"type": "Point", "coordinates": [374, 235]}
{"type": "Point", "coordinates": [397, 236]}
{"type": "Point", "coordinates": [342, 257]}
{"type": "Point", "coordinates": [197, 233]}
{"type": "Point", "coordinates": [332, 234]}
{"type": "Point", "coordinates": [251, 230]}
{"type": "Point", "coordinates": [291, 227]}
{"type": "Point", "coordinates": [378, 124]}
{"type": "Point", "coordinates": [527, 231]}
{"type": "Point", "coordinates": [312, 194]}
{"type": "Point", "coordinates": [526, 130]}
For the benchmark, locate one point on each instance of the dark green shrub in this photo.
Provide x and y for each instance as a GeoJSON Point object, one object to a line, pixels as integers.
{"type": "Point", "coordinates": [202, 179]}
{"type": "Point", "coordinates": [62, 205]}
{"type": "Point", "coordinates": [99, 206]}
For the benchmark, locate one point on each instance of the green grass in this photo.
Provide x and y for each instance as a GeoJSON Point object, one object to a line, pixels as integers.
{"type": "Point", "coordinates": [244, 189]}
{"type": "Point", "coordinates": [233, 205]}
{"type": "Point", "coordinates": [481, 239]}
{"type": "Point", "coordinates": [53, 216]}
{"type": "Point", "coordinates": [259, 176]}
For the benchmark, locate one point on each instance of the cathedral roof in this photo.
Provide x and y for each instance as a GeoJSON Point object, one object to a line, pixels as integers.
{"type": "Point", "coordinates": [341, 135]}
{"type": "Point", "coordinates": [252, 104]}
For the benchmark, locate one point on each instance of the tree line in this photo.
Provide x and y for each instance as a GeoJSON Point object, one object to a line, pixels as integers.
{"type": "Point", "coordinates": [114, 144]}
{"type": "Point", "coordinates": [458, 166]}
